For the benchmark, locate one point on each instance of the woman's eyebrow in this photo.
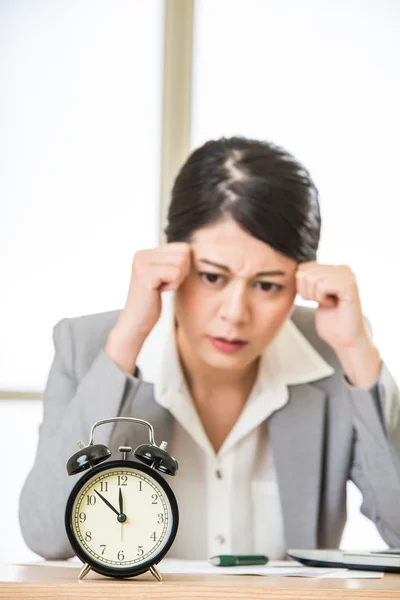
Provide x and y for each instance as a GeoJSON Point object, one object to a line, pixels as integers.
{"type": "Point", "coordinates": [227, 269]}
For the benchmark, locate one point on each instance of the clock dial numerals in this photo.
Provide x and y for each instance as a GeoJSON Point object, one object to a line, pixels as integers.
{"type": "Point", "coordinates": [128, 538]}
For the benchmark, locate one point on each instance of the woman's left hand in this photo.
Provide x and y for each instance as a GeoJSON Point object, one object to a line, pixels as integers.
{"type": "Point", "coordinates": [339, 319]}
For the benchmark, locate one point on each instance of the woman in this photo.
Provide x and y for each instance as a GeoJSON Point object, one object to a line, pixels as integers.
{"type": "Point", "coordinates": [269, 407]}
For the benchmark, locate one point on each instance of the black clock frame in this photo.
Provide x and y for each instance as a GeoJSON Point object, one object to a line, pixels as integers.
{"type": "Point", "coordinates": [110, 571]}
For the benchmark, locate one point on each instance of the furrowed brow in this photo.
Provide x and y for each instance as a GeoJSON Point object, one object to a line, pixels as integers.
{"type": "Point", "coordinates": [227, 269]}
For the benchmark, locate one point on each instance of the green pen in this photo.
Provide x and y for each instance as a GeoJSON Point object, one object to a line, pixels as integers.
{"type": "Point", "coordinates": [238, 560]}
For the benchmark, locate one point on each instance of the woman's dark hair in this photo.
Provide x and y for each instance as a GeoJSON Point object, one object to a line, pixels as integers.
{"type": "Point", "coordinates": [256, 183]}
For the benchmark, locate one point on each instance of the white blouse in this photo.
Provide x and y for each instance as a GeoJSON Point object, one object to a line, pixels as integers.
{"type": "Point", "coordinates": [223, 498]}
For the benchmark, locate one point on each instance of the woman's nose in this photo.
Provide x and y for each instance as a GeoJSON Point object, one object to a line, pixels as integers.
{"type": "Point", "coordinates": [234, 306]}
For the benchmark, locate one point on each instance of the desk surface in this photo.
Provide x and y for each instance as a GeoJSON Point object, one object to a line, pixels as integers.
{"type": "Point", "coordinates": [32, 582]}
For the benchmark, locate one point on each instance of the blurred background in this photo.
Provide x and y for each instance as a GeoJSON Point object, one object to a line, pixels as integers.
{"type": "Point", "coordinates": [100, 103]}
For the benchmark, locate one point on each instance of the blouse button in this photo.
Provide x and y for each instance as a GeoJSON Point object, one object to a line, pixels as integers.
{"type": "Point", "coordinates": [220, 540]}
{"type": "Point", "coordinates": [218, 474]}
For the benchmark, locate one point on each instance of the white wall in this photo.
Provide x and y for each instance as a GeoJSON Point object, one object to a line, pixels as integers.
{"type": "Point", "coordinates": [321, 79]}
{"type": "Point", "coordinates": [80, 122]}
{"type": "Point", "coordinates": [80, 118]}
{"type": "Point", "coordinates": [19, 423]}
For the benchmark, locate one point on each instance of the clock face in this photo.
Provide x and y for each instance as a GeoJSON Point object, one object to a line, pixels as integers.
{"type": "Point", "coordinates": [120, 516]}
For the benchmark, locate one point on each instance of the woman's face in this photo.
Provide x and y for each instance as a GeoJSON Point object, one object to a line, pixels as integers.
{"type": "Point", "coordinates": [238, 288]}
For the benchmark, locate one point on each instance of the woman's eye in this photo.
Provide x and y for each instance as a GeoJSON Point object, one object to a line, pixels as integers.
{"type": "Point", "coordinates": [266, 286]}
{"type": "Point", "coordinates": [211, 277]}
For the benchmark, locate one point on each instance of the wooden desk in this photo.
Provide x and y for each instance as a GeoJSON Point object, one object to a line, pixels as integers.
{"type": "Point", "coordinates": [32, 582]}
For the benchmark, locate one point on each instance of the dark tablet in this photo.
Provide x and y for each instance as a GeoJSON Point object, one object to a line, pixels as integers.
{"type": "Point", "coordinates": [381, 560]}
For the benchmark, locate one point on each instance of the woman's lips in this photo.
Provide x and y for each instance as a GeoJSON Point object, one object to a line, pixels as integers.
{"type": "Point", "coordinates": [227, 346]}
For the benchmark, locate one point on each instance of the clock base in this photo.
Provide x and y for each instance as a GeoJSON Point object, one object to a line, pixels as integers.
{"type": "Point", "coordinates": [85, 570]}
{"type": "Point", "coordinates": [155, 572]}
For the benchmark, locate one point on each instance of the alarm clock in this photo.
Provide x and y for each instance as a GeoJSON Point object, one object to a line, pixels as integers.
{"type": "Point", "coordinates": [122, 516]}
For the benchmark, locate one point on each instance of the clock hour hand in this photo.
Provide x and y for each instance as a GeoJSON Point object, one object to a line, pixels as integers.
{"type": "Point", "coordinates": [108, 503]}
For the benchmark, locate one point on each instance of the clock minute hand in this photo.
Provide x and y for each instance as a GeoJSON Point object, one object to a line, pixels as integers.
{"type": "Point", "coordinates": [107, 502]}
{"type": "Point", "coordinates": [121, 502]}
{"type": "Point", "coordinates": [121, 510]}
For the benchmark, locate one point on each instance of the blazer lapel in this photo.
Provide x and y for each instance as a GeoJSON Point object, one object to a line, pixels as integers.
{"type": "Point", "coordinates": [297, 437]}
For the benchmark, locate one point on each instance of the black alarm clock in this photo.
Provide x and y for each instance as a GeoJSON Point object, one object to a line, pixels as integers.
{"type": "Point", "coordinates": [122, 516]}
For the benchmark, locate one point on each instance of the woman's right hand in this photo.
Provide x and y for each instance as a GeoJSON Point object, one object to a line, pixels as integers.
{"type": "Point", "coordinates": [153, 272]}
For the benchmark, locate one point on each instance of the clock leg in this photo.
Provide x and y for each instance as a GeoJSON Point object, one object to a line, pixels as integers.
{"type": "Point", "coordinates": [155, 572]}
{"type": "Point", "coordinates": [85, 570]}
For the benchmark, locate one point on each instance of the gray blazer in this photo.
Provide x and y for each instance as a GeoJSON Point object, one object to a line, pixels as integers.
{"type": "Point", "coordinates": [327, 433]}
